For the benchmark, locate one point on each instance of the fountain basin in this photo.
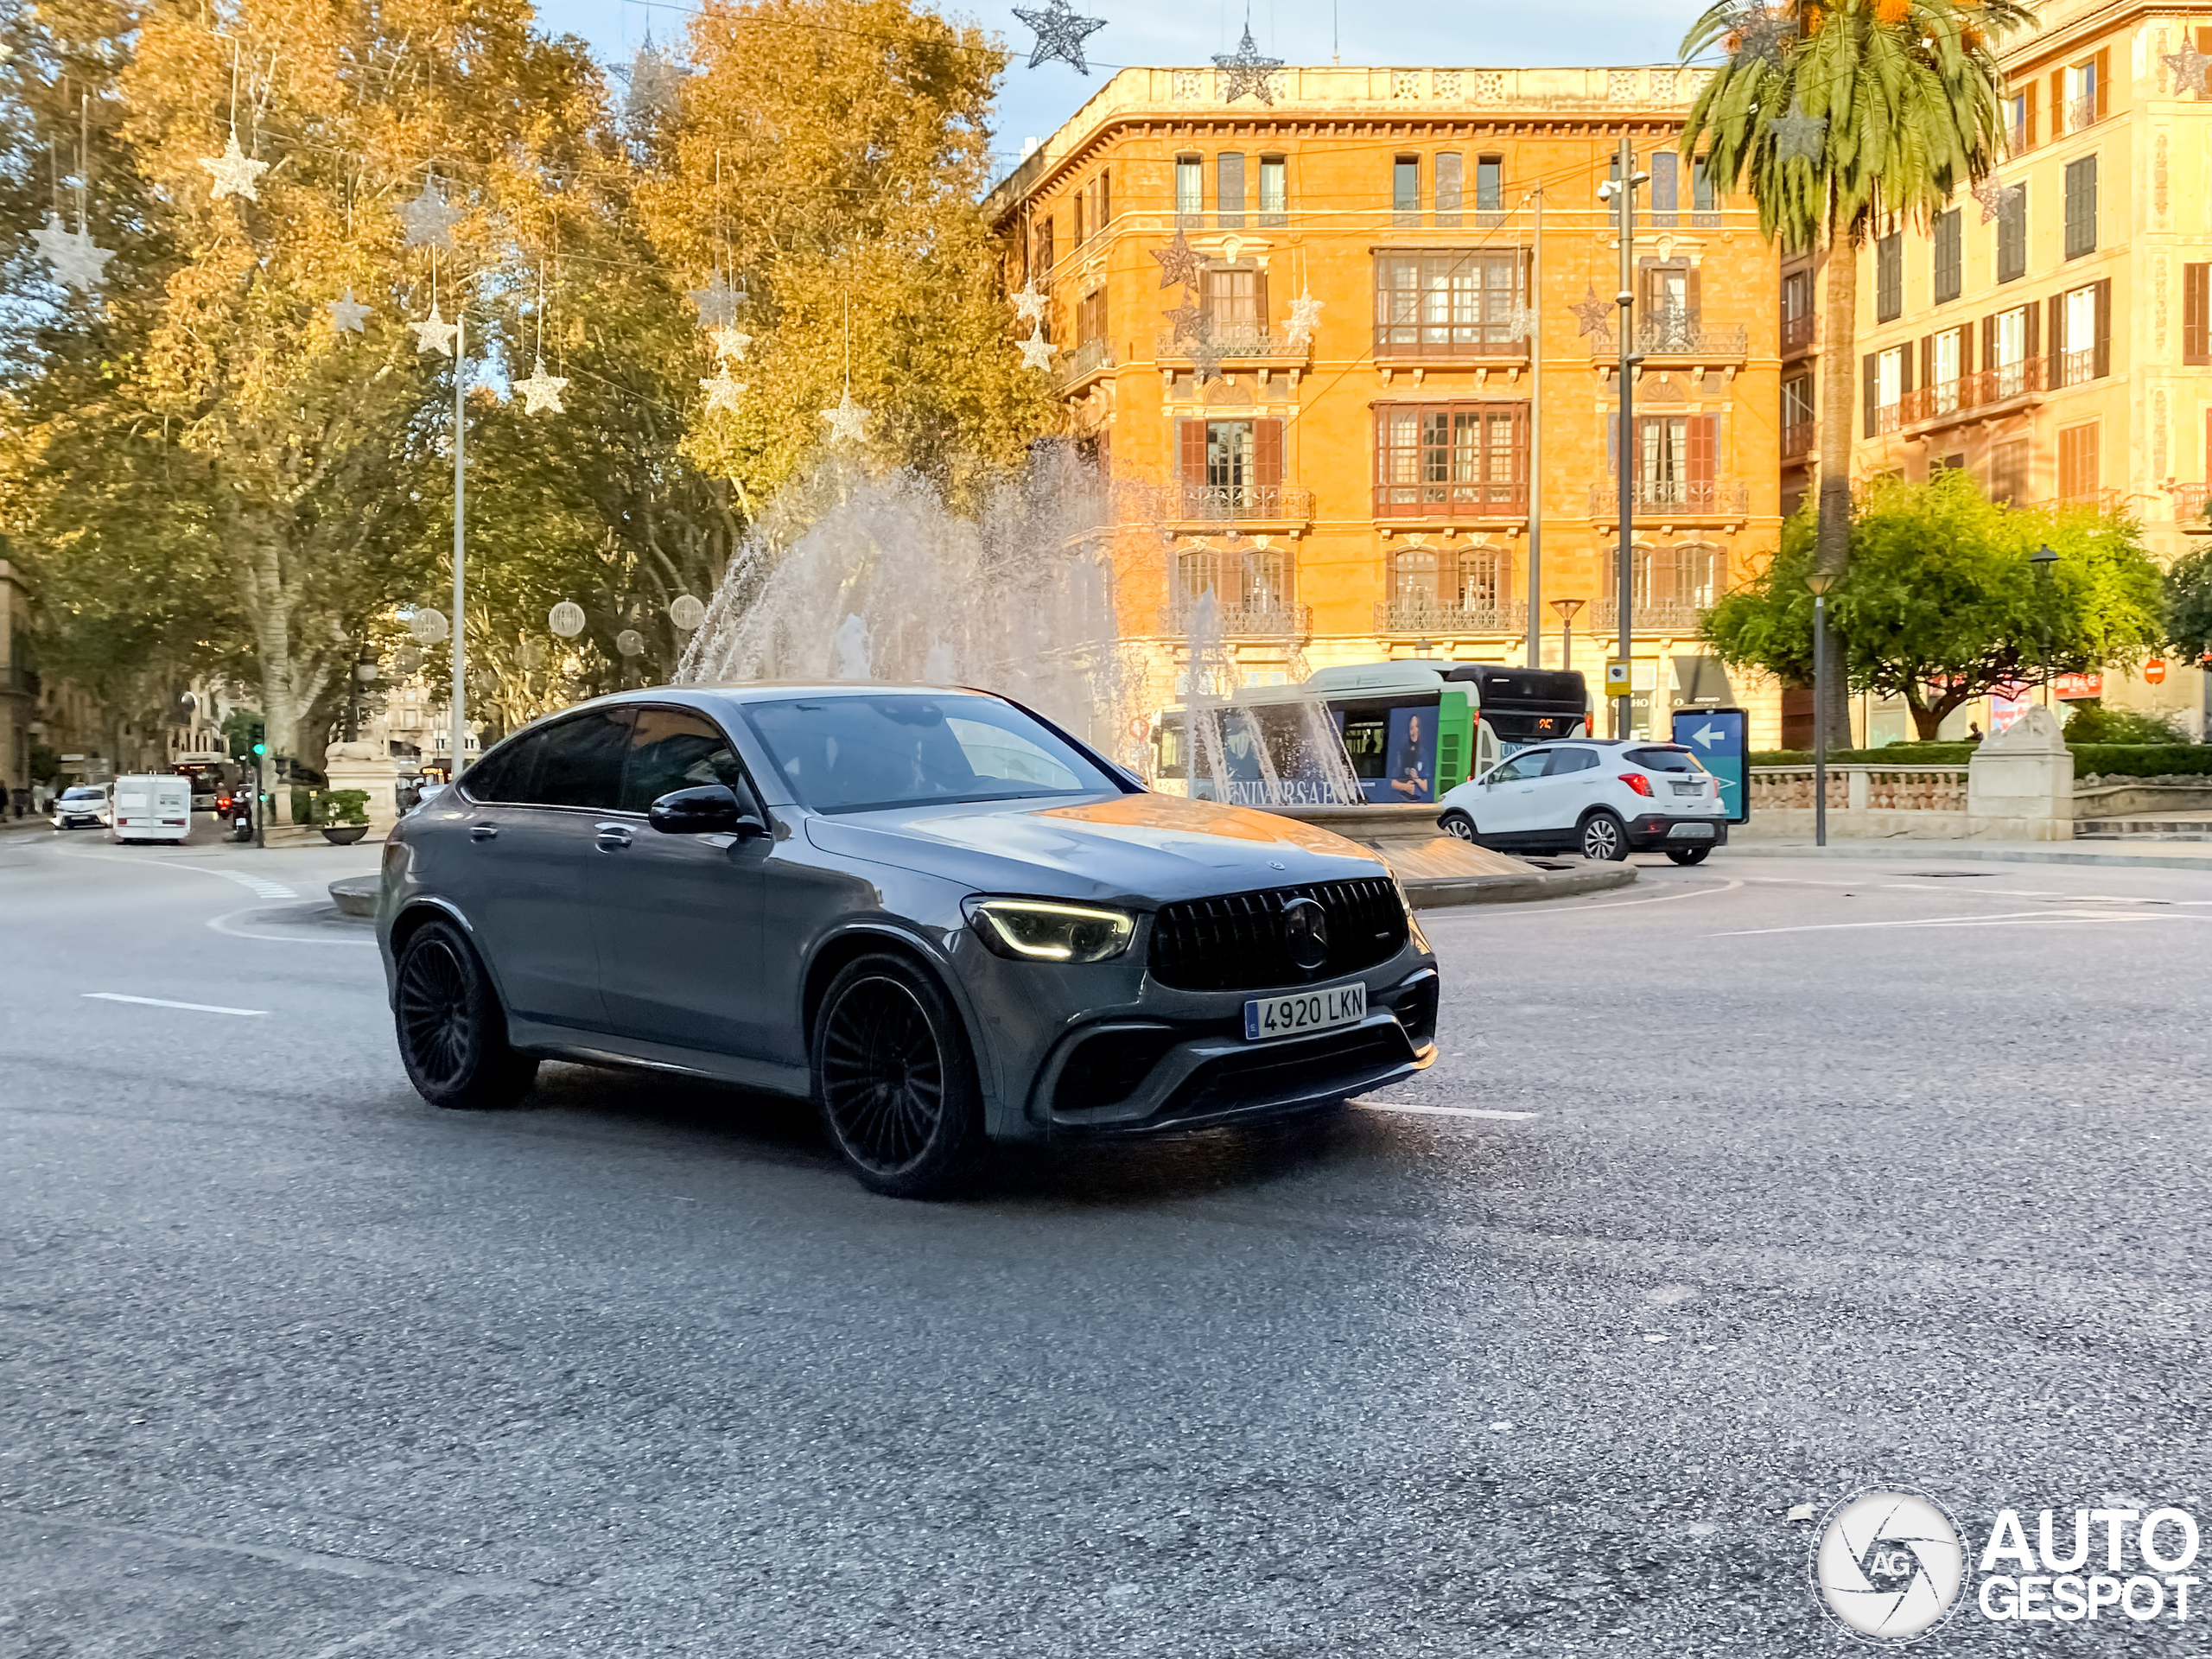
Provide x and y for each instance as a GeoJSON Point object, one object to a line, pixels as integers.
{"type": "Point", "coordinates": [1437, 869]}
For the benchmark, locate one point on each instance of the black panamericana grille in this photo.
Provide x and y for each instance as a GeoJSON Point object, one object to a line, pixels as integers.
{"type": "Point", "coordinates": [1237, 943]}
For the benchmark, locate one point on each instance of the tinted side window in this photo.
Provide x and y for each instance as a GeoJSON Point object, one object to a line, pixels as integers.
{"type": "Point", "coordinates": [676, 748]}
{"type": "Point", "coordinates": [580, 761]}
{"type": "Point", "coordinates": [504, 774]}
{"type": "Point", "coordinates": [1565, 761]}
{"type": "Point", "coordinates": [1522, 767]}
{"type": "Point", "coordinates": [1663, 759]}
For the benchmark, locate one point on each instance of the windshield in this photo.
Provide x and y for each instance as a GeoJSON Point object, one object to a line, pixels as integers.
{"type": "Point", "coordinates": [852, 753]}
{"type": "Point", "coordinates": [80, 795]}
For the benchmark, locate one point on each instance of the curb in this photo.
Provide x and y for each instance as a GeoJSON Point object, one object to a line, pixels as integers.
{"type": "Point", "coordinates": [1924, 851]}
{"type": "Point", "coordinates": [356, 895]}
{"type": "Point", "coordinates": [1583, 876]}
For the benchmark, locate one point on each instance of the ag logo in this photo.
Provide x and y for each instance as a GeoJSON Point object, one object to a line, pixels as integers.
{"type": "Point", "coordinates": [1889, 1565]}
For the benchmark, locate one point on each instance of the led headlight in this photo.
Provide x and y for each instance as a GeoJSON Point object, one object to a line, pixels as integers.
{"type": "Point", "coordinates": [1043, 929]}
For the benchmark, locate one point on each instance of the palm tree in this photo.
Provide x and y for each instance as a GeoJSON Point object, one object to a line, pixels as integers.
{"type": "Point", "coordinates": [1886, 109]}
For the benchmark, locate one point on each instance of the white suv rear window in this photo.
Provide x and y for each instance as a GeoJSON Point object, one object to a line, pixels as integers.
{"type": "Point", "coordinates": [1662, 759]}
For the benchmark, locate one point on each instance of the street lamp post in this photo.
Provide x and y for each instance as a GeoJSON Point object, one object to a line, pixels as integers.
{"type": "Point", "coordinates": [2043, 558]}
{"type": "Point", "coordinates": [1820, 581]}
{"type": "Point", "coordinates": [1567, 608]}
{"type": "Point", "coordinates": [1620, 191]}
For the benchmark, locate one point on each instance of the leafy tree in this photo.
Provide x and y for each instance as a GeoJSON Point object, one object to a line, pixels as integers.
{"type": "Point", "coordinates": [2189, 604]}
{"type": "Point", "coordinates": [1909, 93]}
{"type": "Point", "coordinates": [1940, 604]}
{"type": "Point", "coordinates": [2090, 721]}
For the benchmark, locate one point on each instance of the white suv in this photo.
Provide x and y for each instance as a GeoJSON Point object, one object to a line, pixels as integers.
{"type": "Point", "coordinates": [1598, 796]}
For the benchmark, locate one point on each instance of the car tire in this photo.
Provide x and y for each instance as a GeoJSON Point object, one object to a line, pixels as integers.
{"type": "Point", "coordinates": [895, 1083]}
{"type": "Point", "coordinates": [1688, 854]}
{"type": "Point", "coordinates": [452, 1032]}
{"type": "Point", "coordinates": [1602, 836]}
{"type": "Point", "coordinates": [1458, 824]}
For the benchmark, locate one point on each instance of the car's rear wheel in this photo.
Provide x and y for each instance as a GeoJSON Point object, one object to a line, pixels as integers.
{"type": "Point", "coordinates": [1604, 836]}
{"type": "Point", "coordinates": [1688, 854]}
{"type": "Point", "coordinates": [1459, 824]}
{"type": "Point", "coordinates": [453, 1033]}
{"type": "Point", "coordinates": [895, 1081]}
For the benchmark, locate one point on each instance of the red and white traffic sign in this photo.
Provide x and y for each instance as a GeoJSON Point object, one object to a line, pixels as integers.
{"type": "Point", "coordinates": [2154, 671]}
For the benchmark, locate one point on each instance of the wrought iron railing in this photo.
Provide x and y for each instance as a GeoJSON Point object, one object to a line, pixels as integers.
{"type": "Point", "coordinates": [2190, 502]}
{"type": "Point", "coordinates": [1694, 497]}
{"type": "Point", "coordinates": [1797, 332]}
{"type": "Point", "coordinates": [1086, 360]}
{"type": "Point", "coordinates": [1282, 621]}
{"type": "Point", "coordinates": [1229, 504]}
{"type": "Point", "coordinates": [1230, 343]}
{"type": "Point", "coordinates": [1683, 334]}
{"type": "Point", "coordinates": [1430, 618]}
{"type": "Point", "coordinates": [1967, 393]}
{"type": "Point", "coordinates": [1798, 438]}
{"type": "Point", "coordinates": [1653, 615]}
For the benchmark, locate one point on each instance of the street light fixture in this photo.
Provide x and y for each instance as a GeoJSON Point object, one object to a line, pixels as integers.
{"type": "Point", "coordinates": [1567, 608]}
{"type": "Point", "coordinates": [2043, 558]}
{"type": "Point", "coordinates": [1820, 581]}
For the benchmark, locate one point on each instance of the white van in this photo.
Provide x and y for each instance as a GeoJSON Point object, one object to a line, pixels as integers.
{"type": "Point", "coordinates": [152, 806]}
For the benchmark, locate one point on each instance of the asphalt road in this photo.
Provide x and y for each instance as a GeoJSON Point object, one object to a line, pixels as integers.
{"type": "Point", "coordinates": [1832, 1174]}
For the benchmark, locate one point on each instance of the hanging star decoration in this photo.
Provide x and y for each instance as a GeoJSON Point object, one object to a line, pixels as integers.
{"type": "Point", "coordinates": [1206, 357]}
{"type": "Point", "coordinates": [723, 390]}
{"type": "Point", "coordinates": [847, 421]}
{"type": "Point", "coordinates": [428, 219]}
{"type": "Point", "coordinates": [1037, 350]}
{"type": "Point", "coordinates": [74, 259]}
{"type": "Point", "coordinates": [730, 342]}
{"type": "Point", "coordinates": [1246, 70]}
{"type": "Point", "coordinates": [1797, 135]}
{"type": "Point", "coordinates": [656, 83]}
{"type": "Point", "coordinates": [1188, 321]}
{"type": "Point", "coordinates": [1029, 300]}
{"type": "Point", "coordinates": [1520, 323]}
{"type": "Point", "coordinates": [1305, 318]}
{"type": "Point", "coordinates": [1760, 34]}
{"type": "Point", "coordinates": [1590, 312]}
{"type": "Point", "coordinates": [1178, 262]}
{"type": "Point", "coordinates": [348, 313]}
{"type": "Point", "coordinates": [434, 334]}
{"type": "Point", "coordinates": [541, 393]}
{"type": "Point", "coordinates": [717, 302]}
{"type": "Point", "coordinates": [1060, 32]}
{"type": "Point", "coordinates": [1990, 193]}
{"type": "Point", "coordinates": [234, 171]}
{"type": "Point", "coordinates": [2187, 67]}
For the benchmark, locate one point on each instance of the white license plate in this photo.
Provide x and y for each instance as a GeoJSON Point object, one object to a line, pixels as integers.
{"type": "Point", "coordinates": [1303, 1011]}
{"type": "Point", "coordinates": [1689, 789]}
{"type": "Point", "coordinates": [1690, 832]}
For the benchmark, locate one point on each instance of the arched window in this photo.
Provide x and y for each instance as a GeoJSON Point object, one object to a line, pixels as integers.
{"type": "Point", "coordinates": [1413, 577]}
{"type": "Point", "coordinates": [1679, 581]}
{"type": "Point", "coordinates": [1484, 578]}
{"type": "Point", "coordinates": [1267, 580]}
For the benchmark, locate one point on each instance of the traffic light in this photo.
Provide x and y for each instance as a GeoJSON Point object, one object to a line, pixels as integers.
{"type": "Point", "coordinates": [260, 749]}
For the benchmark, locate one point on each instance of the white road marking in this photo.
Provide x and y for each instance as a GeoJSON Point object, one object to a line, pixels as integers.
{"type": "Point", "coordinates": [164, 1002]}
{"type": "Point", "coordinates": [2010, 919]}
{"type": "Point", "coordinates": [262, 885]}
{"type": "Point", "coordinates": [1435, 1111]}
{"type": "Point", "coordinates": [1667, 899]}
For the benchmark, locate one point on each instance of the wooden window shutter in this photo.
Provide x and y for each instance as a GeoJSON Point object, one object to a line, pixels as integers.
{"type": "Point", "coordinates": [2028, 139]}
{"type": "Point", "coordinates": [1928, 359]}
{"type": "Point", "coordinates": [2104, 80]}
{"type": "Point", "coordinates": [2057, 102]}
{"type": "Point", "coordinates": [1965, 350]}
{"type": "Point", "coordinates": [1905, 372]}
{"type": "Point", "coordinates": [1266, 452]}
{"type": "Point", "coordinates": [1260, 301]}
{"type": "Point", "coordinates": [2104, 327]}
{"type": "Point", "coordinates": [1694, 294]}
{"type": "Point", "coordinates": [1705, 443]}
{"type": "Point", "coordinates": [2196, 325]}
{"type": "Point", "coordinates": [1192, 442]}
{"type": "Point", "coordinates": [1871, 371]}
{"type": "Point", "coordinates": [2208, 444]}
{"type": "Point", "coordinates": [2059, 345]}
{"type": "Point", "coordinates": [1989, 342]}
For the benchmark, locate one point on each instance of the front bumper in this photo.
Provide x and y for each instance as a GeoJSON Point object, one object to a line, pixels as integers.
{"type": "Point", "coordinates": [1655, 830]}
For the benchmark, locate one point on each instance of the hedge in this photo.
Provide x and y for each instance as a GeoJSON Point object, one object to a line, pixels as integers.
{"type": "Point", "coordinates": [2090, 759]}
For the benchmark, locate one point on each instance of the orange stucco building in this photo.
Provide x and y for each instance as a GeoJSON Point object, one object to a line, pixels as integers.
{"type": "Point", "coordinates": [1357, 482]}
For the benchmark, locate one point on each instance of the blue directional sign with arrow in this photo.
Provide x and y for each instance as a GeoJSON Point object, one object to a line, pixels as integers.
{"type": "Point", "coordinates": [1721, 739]}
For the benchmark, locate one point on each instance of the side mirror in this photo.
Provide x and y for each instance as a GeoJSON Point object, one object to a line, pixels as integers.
{"type": "Point", "coordinates": [709, 809]}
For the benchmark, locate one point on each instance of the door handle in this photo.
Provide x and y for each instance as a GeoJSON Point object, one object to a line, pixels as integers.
{"type": "Point", "coordinates": [483, 831]}
{"type": "Point", "coordinates": [612, 837]}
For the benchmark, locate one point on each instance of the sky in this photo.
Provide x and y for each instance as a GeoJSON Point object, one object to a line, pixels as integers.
{"type": "Point", "coordinates": [1032, 103]}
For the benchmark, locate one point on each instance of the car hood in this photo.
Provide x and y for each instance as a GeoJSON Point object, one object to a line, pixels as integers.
{"type": "Point", "coordinates": [1129, 847]}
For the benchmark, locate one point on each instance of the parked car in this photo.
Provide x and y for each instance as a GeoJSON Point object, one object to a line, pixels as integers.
{"type": "Point", "coordinates": [151, 806]}
{"type": "Point", "coordinates": [937, 915]}
{"type": "Point", "coordinates": [1602, 797]}
{"type": "Point", "coordinates": [78, 805]}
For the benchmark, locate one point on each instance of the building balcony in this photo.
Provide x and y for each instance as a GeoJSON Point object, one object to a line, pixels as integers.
{"type": "Point", "coordinates": [1683, 336]}
{"type": "Point", "coordinates": [1260, 347]}
{"type": "Point", "coordinates": [2004, 389]}
{"type": "Point", "coordinates": [2190, 502]}
{"type": "Point", "coordinates": [1092, 357]}
{"type": "Point", "coordinates": [1799, 438]}
{"type": "Point", "coordinates": [1426, 344]}
{"type": "Point", "coordinates": [2082, 112]}
{"type": "Point", "coordinates": [1679, 617]}
{"type": "Point", "coordinates": [1257, 506]}
{"type": "Point", "coordinates": [1505, 501]}
{"type": "Point", "coordinates": [1675, 500]}
{"type": "Point", "coordinates": [1796, 334]}
{"type": "Point", "coordinates": [1423, 620]}
{"type": "Point", "coordinates": [1261, 621]}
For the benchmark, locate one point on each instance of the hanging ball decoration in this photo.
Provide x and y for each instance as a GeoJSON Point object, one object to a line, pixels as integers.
{"type": "Point", "coordinates": [428, 626]}
{"type": "Point", "coordinates": [410, 659]}
{"type": "Point", "coordinates": [686, 613]}
{"type": "Point", "coordinates": [630, 643]}
{"type": "Point", "coordinates": [566, 618]}
{"type": "Point", "coordinates": [530, 655]}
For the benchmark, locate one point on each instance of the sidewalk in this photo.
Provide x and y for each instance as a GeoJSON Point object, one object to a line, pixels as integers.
{"type": "Point", "coordinates": [2150, 856]}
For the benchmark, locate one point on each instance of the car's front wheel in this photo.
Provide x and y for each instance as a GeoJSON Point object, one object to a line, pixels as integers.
{"type": "Point", "coordinates": [895, 1081]}
{"type": "Point", "coordinates": [1459, 824]}
{"type": "Point", "coordinates": [1688, 854]}
{"type": "Point", "coordinates": [1604, 836]}
{"type": "Point", "coordinates": [453, 1033]}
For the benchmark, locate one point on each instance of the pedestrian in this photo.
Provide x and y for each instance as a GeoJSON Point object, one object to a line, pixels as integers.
{"type": "Point", "coordinates": [23, 798]}
{"type": "Point", "coordinates": [42, 797]}
{"type": "Point", "coordinates": [1974, 731]}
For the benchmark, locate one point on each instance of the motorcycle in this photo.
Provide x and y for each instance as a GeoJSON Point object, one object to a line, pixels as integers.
{"type": "Point", "coordinates": [237, 811]}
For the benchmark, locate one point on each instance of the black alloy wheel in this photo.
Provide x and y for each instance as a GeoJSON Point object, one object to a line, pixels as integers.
{"type": "Point", "coordinates": [1459, 824]}
{"type": "Point", "coordinates": [1604, 836]}
{"type": "Point", "coordinates": [1688, 854]}
{"type": "Point", "coordinates": [895, 1083]}
{"type": "Point", "coordinates": [453, 1033]}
